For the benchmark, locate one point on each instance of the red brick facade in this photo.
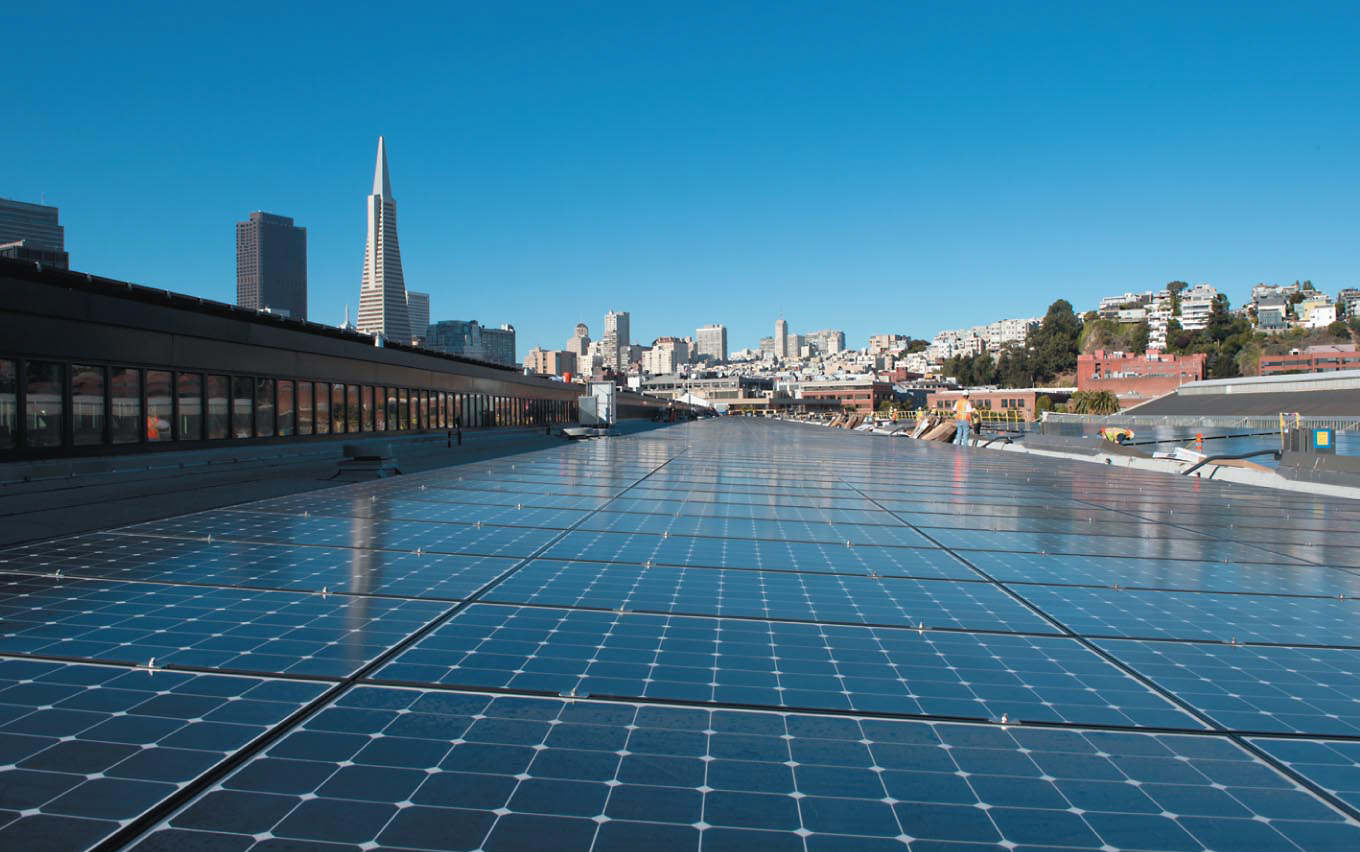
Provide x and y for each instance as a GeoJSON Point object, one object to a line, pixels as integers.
{"type": "Point", "coordinates": [1137, 378]}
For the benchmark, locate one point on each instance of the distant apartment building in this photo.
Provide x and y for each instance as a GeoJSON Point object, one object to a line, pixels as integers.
{"type": "Point", "coordinates": [667, 355]}
{"type": "Point", "coordinates": [617, 340]}
{"type": "Point", "coordinates": [271, 265]}
{"type": "Point", "coordinates": [1137, 378]}
{"type": "Point", "coordinates": [549, 362]}
{"type": "Point", "coordinates": [1159, 316]}
{"type": "Point", "coordinates": [718, 390]}
{"type": "Point", "coordinates": [825, 342]}
{"type": "Point", "coordinates": [1316, 312]}
{"type": "Point", "coordinates": [1112, 306]}
{"type": "Point", "coordinates": [781, 338]}
{"type": "Point", "coordinates": [1272, 318]}
{"type": "Point", "coordinates": [472, 340]}
{"type": "Point", "coordinates": [1348, 303]}
{"type": "Point", "coordinates": [1313, 359]}
{"type": "Point", "coordinates": [710, 343]}
{"type": "Point", "coordinates": [1197, 303]}
{"type": "Point", "coordinates": [32, 232]}
{"type": "Point", "coordinates": [579, 342]}
{"type": "Point", "coordinates": [992, 337]}
{"type": "Point", "coordinates": [418, 309]}
{"type": "Point", "coordinates": [883, 343]}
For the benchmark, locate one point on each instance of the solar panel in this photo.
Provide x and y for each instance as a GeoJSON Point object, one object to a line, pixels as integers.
{"type": "Point", "coordinates": [723, 635]}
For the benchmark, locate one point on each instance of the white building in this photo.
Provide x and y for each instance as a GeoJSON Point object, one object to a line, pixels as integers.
{"type": "Point", "coordinates": [1158, 315]}
{"type": "Point", "coordinates": [781, 338]}
{"type": "Point", "coordinates": [1197, 303]}
{"type": "Point", "coordinates": [711, 342]}
{"type": "Point", "coordinates": [382, 293]}
{"type": "Point", "coordinates": [667, 355]}
{"type": "Point", "coordinates": [1315, 314]}
{"type": "Point", "coordinates": [827, 341]}
{"type": "Point", "coordinates": [617, 339]}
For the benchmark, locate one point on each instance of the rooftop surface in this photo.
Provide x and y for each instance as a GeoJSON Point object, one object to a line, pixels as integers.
{"type": "Point", "coordinates": [728, 634]}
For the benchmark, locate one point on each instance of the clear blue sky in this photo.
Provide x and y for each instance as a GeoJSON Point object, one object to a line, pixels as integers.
{"type": "Point", "coordinates": [895, 166]}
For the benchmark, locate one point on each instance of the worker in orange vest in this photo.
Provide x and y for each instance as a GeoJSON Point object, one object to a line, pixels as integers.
{"type": "Point", "coordinates": [963, 419]}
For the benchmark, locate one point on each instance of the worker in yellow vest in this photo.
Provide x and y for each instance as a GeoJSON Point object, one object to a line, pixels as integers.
{"type": "Point", "coordinates": [963, 419]}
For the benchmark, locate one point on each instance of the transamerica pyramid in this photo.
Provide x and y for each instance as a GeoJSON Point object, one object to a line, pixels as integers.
{"type": "Point", "coordinates": [382, 294]}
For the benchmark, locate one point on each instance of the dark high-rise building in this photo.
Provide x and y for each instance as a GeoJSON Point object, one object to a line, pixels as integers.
{"type": "Point", "coordinates": [473, 340]}
{"type": "Point", "coordinates": [31, 232]}
{"type": "Point", "coordinates": [271, 265]}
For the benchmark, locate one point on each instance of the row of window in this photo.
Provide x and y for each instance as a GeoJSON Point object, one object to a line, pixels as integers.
{"type": "Point", "coordinates": [55, 404]}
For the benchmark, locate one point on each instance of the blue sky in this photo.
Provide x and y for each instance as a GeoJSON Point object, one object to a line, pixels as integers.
{"type": "Point", "coordinates": [893, 166]}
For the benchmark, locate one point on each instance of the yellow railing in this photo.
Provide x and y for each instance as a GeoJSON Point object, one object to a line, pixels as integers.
{"type": "Point", "coordinates": [992, 416]}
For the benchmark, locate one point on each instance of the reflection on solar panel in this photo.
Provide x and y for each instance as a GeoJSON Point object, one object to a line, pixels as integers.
{"type": "Point", "coordinates": [722, 635]}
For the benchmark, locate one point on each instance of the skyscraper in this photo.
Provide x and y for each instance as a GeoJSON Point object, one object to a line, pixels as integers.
{"type": "Point", "coordinates": [781, 338]}
{"type": "Point", "coordinates": [579, 343]}
{"type": "Point", "coordinates": [418, 308]}
{"type": "Point", "coordinates": [382, 293]}
{"type": "Point", "coordinates": [271, 265]}
{"type": "Point", "coordinates": [616, 340]}
{"type": "Point", "coordinates": [31, 232]}
{"type": "Point", "coordinates": [710, 341]}
{"type": "Point", "coordinates": [473, 340]}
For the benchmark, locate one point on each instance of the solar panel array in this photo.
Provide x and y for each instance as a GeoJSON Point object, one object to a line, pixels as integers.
{"type": "Point", "coordinates": [723, 635]}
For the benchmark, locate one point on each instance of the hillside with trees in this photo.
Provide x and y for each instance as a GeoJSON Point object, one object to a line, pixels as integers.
{"type": "Point", "coordinates": [1050, 351]}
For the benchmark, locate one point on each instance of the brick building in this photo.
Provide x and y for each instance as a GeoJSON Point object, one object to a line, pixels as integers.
{"type": "Point", "coordinates": [1022, 403]}
{"type": "Point", "coordinates": [1314, 359]}
{"type": "Point", "coordinates": [1137, 378]}
{"type": "Point", "coordinates": [856, 396]}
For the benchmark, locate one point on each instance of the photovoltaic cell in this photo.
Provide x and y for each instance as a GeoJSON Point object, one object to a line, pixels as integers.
{"type": "Point", "coordinates": [261, 566]}
{"type": "Point", "coordinates": [770, 594]}
{"type": "Point", "coordinates": [1173, 574]}
{"type": "Point", "coordinates": [843, 558]}
{"type": "Point", "coordinates": [777, 664]}
{"type": "Point", "coordinates": [209, 628]}
{"type": "Point", "coordinates": [85, 749]}
{"type": "Point", "coordinates": [729, 635]}
{"type": "Point", "coordinates": [367, 533]}
{"type": "Point", "coordinates": [1090, 544]}
{"type": "Point", "coordinates": [1255, 687]}
{"type": "Point", "coordinates": [1200, 615]}
{"type": "Point", "coordinates": [401, 768]}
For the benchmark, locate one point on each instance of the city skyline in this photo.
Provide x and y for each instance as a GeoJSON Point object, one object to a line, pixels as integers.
{"type": "Point", "coordinates": [913, 156]}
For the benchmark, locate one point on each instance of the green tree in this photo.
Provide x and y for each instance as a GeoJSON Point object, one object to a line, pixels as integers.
{"type": "Point", "coordinates": [1093, 402]}
{"type": "Point", "coordinates": [1175, 288]}
{"type": "Point", "coordinates": [1138, 338]}
{"type": "Point", "coordinates": [1053, 345]}
{"type": "Point", "coordinates": [1340, 331]}
{"type": "Point", "coordinates": [1013, 368]}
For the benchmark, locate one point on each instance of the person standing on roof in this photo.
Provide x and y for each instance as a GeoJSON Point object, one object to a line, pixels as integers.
{"type": "Point", "coordinates": [963, 419]}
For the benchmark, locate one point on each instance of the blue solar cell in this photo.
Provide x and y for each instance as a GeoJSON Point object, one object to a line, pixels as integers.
{"type": "Point", "coordinates": [199, 627]}
{"type": "Point", "coordinates": [786, 643]}
{"type": "Point", "coordinates": [259, 566]}
{"type": "Point", "coordinates": [1199, 615]}
{"type": "Point", "coordinates": [1171, 574]}
{"type": "Point", "coordinates": [777, 664]}
{"type": "Point", "coordinates": [763, 776]}
{"type": "Point", "coordinates": [1252, 687]}
{"type": "Point", "coordinates": [85, 749]}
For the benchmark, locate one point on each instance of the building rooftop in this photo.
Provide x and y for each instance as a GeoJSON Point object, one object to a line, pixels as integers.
{"type": "Point", "coordinates": [730, 633]}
